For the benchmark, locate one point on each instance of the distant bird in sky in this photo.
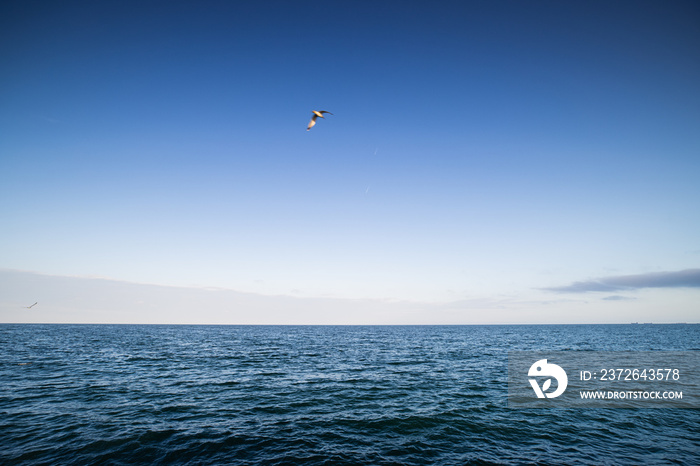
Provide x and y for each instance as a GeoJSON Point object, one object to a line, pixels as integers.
{"type": "Point", "coordinates": [29, 307]}
{"type": "Point", "coordinates": [317, 113]}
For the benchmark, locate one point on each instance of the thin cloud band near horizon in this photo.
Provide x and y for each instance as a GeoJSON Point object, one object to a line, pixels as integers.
{"type": "Point", "coordinates": [688, 278]}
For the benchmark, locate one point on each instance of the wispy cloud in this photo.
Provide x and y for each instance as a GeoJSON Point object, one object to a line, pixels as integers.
{"type": "Point", "coordinates": [682, 278]}
{"type": "Point", "coordinates": [617, 298]}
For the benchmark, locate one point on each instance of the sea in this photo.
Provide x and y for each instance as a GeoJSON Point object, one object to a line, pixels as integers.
{"type": "Point", "coordinates": [317, 395]}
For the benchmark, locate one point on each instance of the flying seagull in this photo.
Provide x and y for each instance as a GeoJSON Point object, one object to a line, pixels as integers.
{"type": "Point", "coordinates": [317, 113]}
{"type": "Point", "coordinates": [29, 307]}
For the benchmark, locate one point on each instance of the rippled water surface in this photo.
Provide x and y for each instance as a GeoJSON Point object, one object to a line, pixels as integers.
{"type": "Point", "coordinates": [123, 394]}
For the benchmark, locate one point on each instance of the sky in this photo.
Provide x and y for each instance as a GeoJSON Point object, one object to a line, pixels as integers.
{"type": "Point", "coordinates": [500, 162]}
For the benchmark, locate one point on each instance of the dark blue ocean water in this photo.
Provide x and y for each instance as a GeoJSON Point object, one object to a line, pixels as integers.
{"type": "Point", "coordinates": [126, 394]}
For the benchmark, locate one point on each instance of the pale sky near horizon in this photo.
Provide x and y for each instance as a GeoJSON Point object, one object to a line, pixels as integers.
{"type": "Point", "coordinates": [486, 162]}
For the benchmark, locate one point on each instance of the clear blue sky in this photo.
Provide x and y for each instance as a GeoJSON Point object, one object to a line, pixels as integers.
{"type": "Point", "coordinates": [490, 158]}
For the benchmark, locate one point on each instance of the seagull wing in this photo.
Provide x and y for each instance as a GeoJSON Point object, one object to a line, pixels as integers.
{"type": "Point", "coordinates": [29, 307]}
{"type": "Point", "coordinates": [323, 111]}
{"type": "Point", "coordinates": [312, 122]}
